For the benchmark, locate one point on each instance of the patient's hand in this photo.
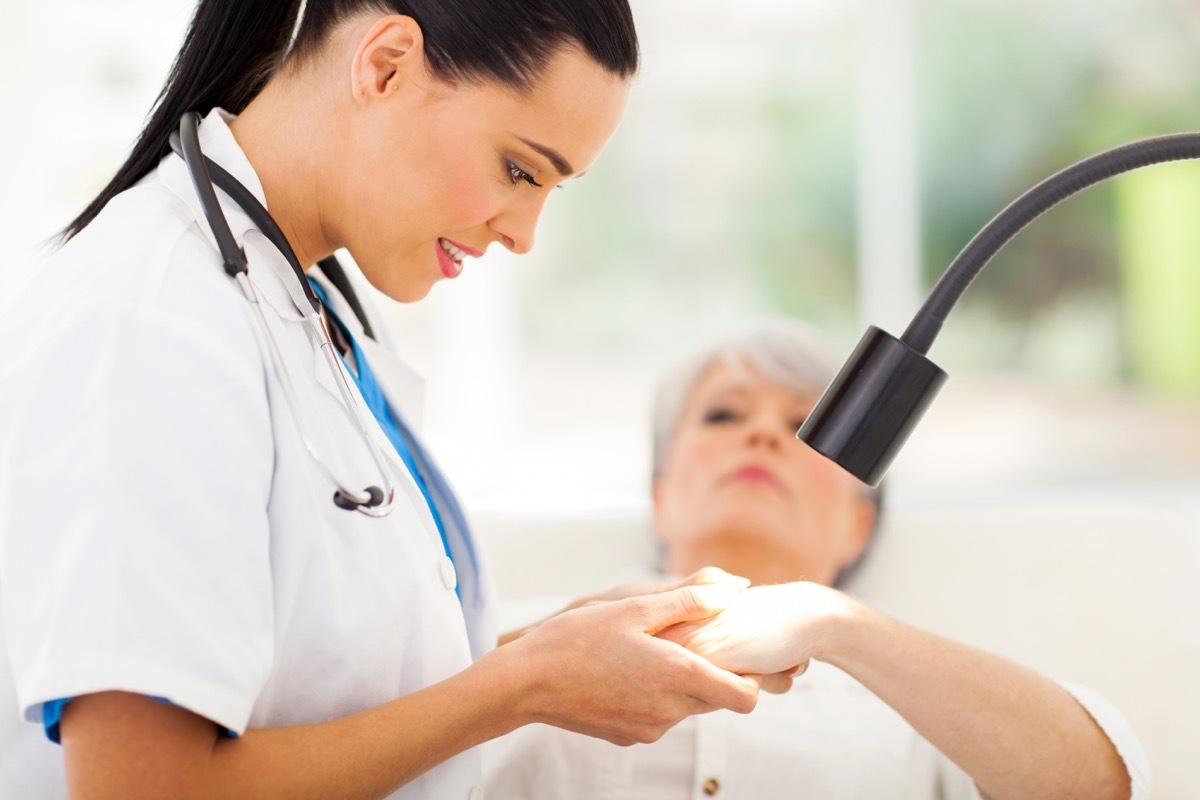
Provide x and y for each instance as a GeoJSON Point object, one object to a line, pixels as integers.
{"type": "Point", "coordinates": [765, 629]}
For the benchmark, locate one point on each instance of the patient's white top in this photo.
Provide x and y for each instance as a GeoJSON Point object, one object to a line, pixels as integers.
{"type": "Point", "coordinates": [829, 737]}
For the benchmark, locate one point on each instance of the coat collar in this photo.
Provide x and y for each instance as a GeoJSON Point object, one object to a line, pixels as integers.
{"type": "Point", "coordinates": [217, 142]}
{"type": "Point", "coordinates": [269, 270]}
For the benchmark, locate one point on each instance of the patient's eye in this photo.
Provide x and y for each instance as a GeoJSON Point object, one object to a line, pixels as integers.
{"type": "Point", "coordinates": [721, 415]}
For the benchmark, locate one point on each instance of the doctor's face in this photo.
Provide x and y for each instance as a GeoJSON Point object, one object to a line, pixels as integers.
{"type": "Point", "coordinates": [737, 490]}
{"type": "Point", "coordinates": [443, 172]}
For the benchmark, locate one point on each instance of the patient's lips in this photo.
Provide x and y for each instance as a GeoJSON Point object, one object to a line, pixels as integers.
{"type": "Point", "coordinates": [754, 473]}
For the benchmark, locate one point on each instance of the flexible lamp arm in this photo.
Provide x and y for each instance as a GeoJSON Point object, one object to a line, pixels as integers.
{"type": "Point", "coordinates": [1028, 207]}
{"type": "Point", "coordinates": [873, 404]}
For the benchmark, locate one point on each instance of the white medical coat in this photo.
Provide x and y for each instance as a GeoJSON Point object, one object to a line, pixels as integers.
{"type": "Point", "coordinates": [162, 528]}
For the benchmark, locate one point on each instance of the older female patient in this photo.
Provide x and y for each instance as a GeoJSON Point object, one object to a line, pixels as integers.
{"type": "Point", "coordinates": [882, 710]}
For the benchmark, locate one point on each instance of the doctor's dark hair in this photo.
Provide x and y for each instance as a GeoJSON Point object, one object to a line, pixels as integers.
{"type": "Point", "coordinates": [233, 47]}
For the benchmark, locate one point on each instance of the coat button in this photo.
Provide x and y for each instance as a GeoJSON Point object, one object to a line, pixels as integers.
{"type": "Point", "coordinates": [449, 576]}
{"type": "Point", "coordinates": [711, 786]}
{"type": "Point", "coordinates": [475, 794]}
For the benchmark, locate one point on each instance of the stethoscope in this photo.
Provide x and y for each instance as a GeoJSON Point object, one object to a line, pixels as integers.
{"type": "Point", "coordinates": [207, 174]}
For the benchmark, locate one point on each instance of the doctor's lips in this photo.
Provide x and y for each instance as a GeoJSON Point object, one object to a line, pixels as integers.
{"type": "Point", "coordinates": [451, 254]}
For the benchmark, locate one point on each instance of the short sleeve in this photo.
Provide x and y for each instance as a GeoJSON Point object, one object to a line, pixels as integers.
{"type": "Point", "coordinates": [135, 472]}
{"type": "Point", "coordinates": [954, 784]}
{"type": "Point", "coordinates": [1113, 723]}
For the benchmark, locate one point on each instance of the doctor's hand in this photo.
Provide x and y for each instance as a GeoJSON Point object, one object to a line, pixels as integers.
{"type": "Point", "coordinates": [775, 683]}
{"type": "Point", "coordinates": [707, 575]}
{"type": "Point", "coordinates": [766, 629]}
{"type": "Point", "coordinates": [600, 670]}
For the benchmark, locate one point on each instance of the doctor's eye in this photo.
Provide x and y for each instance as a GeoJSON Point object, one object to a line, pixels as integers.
{"type": "Point", "coordinates": [516, 175]}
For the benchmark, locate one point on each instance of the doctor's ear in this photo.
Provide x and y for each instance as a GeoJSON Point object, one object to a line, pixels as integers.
{"type": "Point", "coordinates": [389, 57]}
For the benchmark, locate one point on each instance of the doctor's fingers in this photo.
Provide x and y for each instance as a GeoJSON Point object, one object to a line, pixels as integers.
{"type": "Point", "coordinates": [652, 684]}
{"type": "Point", "coordinates": [706, 575]}
{"type": "Point", "coordinates": [781, 682]}
{"type": "Point", "coordinates": [687, 603]}
{"type": "Point", "coordinates": [777, 683]}
{"type": "Point", "coordinates": [708, 687]}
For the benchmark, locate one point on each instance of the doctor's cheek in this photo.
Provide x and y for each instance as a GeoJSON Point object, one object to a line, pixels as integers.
{"type": "Point", "coordinates": [472, 197]}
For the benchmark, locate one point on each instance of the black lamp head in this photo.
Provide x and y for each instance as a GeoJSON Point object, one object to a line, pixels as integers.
{"type": "Point", "coordinates": [872, 406]}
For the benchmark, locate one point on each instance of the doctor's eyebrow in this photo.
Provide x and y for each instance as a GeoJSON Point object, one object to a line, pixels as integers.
{"type": "Point", "coordinates": [560, 164]}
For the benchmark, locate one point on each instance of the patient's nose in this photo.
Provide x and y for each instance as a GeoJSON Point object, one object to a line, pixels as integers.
{"type": "Point", "coordinates": [763, 432]}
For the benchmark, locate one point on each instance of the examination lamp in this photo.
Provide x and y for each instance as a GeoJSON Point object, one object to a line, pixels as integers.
{"type": "Point", "coordinates": [868, 411]}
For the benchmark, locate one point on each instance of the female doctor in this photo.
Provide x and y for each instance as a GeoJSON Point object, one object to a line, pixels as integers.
{"type": "Point", "coordinates": [185, 606]}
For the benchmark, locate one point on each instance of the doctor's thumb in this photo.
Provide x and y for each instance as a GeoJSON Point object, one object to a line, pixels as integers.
{"type": "Point", "coordinates": [687, 604]}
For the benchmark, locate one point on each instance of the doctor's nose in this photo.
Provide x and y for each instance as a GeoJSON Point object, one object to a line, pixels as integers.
{"type": "Point", "coordinates": [516, 228]}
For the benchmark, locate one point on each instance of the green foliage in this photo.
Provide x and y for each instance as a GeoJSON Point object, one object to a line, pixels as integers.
{"type": "Point", "coordinates": [730, 189]}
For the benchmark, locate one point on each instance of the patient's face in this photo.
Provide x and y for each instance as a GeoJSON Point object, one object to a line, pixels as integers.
{"type": "Point", "coordinates": [737, 490]}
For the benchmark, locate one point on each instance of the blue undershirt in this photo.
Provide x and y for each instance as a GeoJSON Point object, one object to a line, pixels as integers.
{"type": "Point", "coordinates": [52, 718]}
{"type": "Point", "coordinates": [364, 378]}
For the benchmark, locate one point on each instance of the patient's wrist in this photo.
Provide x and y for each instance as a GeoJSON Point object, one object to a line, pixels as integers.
{"type": "Point", "coordinates": [849, 632]}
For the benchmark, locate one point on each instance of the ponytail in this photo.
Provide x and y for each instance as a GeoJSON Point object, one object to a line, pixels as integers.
{"type": "Point", "coordinates": [231, 49]}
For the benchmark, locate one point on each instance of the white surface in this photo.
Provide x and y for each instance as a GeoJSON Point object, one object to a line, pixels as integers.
{"type": "Point", "coordinates": [1100, 590]}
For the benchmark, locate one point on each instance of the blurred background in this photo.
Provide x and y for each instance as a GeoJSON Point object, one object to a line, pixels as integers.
{"type": "Point", "coordinates": [817, 158]}
{"type": "Point", "coordinates": [807, 157]}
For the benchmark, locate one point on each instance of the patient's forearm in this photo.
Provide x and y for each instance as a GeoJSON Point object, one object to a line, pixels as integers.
{"type": "Point", "coordinates": [1016, 733]}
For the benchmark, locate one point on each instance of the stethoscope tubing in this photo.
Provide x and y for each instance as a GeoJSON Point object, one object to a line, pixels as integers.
{"type": "Point", "coordinates": [372, 501]}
